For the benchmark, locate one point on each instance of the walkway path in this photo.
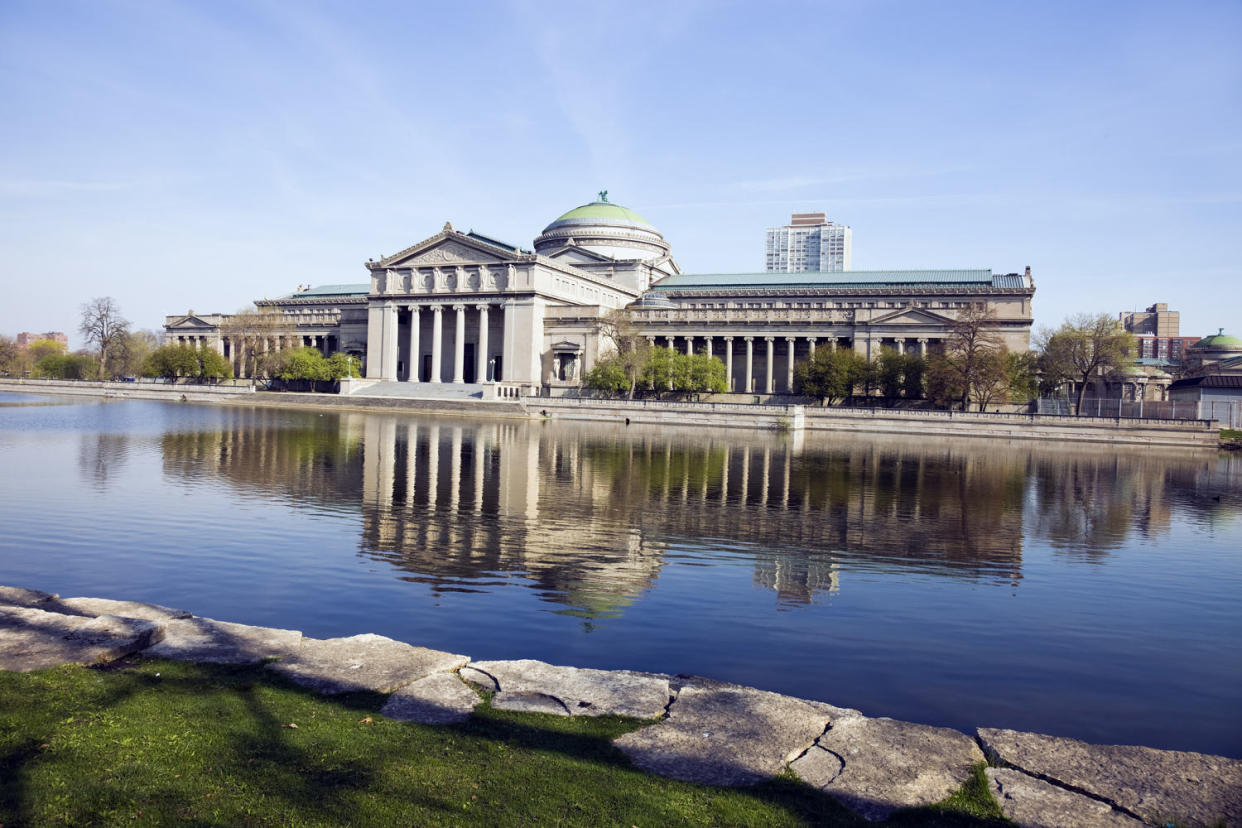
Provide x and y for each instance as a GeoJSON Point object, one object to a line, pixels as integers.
{"type": "Point", "coordinates": [702, 730]}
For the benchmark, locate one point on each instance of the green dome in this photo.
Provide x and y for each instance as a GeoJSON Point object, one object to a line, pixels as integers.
{"type": "Point", "coordinates": [603, 211]}
{"type": "Point", "coordinates": [1220, 340]}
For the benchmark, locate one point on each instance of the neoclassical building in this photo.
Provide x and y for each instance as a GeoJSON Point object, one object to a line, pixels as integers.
{"type": "Point", "coordinates": [465, 309]}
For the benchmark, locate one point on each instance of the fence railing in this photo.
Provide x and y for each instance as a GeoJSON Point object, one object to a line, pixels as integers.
{"type": "Point", "coordinates": [1227, 412]}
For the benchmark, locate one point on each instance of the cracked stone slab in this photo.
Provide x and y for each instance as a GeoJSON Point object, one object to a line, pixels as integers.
{"type": "Point", "coordinates": [1034, 803]}
{"type": "Point", "coordinates": [875, 766]}
{"type": "Point", "coordinates": [362, 662]}
{"type": "Point", "coordinates": [223, 642]}
{"type": "Point", "coordinates": [125, 609]}
{"type": "Point", "coordinates": [20, 597]}
{"type": "Point", "coordinates": [534, 686]}
{"type": "Point", "coordinates": [441, 698]}
{"type": "Point", "coordinates": [470, 674]}
{"type": "Point", "coordinates": [720, 734]}
{"type": "Point", "coordinates": [33, 639]}
{"type": "Point", "coordinates": [1154, 785]}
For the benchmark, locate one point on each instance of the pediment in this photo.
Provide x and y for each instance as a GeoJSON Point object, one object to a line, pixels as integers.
{"type": "Point", "coordinates": [448, 248]}
{"type": "Point", "coordinates": [566, 345]}
{"type": "Point", "coordinates": [580, 255]}
{"type": "Point", "coordinates": [190, 323]}
{"type": "Point", "coordinates": [912, 316]}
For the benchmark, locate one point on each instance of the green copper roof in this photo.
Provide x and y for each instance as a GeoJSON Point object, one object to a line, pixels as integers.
{"type": "Point", "coordinates": [848, 278]}
{"type": "Point", "coordinates": [332, 290]}
{"type": "Point", "coordinates": [1220, 340]}
{"type": "Point", "coordinates": [603, 211]}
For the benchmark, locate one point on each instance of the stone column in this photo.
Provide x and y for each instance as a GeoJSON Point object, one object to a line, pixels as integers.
{"type": "Point", "coordinates": [789, 341]}
{"type": "Point", "coordinates": [729, 361]}
{"type": "Point", "coordinates": [901, 345]}
{"type": "Point", "coordinates": [651, 341]}
{"type": "Point", "coordinates": [923, 346]}
{"type": "Point", "coordinates": [811, 344]}
{"type": "Point", "coordinates": [390, 341]}
{"type": "Point", "coordinates": [459, 346]}
{"type": "Point", "coordinates": [689, 345]}
{"type": "Point", "coordinates": [415, 357]}
{"type": "Point", "coordinates": [770, 385]}
{"type": "Point", "coordinates": [750, 365]}
{"type": "Point", "coordinates": [437, 342]}
{"type": "Point", "coordinates": [480, 373]}
{"type": "Point", "coordinates": [709, 349]}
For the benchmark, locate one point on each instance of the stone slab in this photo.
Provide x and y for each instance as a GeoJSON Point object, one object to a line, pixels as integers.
{"type": "Point", "coordinates": [1156, 786]}
{"type": "Point", "coordinates": [578, 691]}
{"type": "Point", "coordinates": [875, 766]}
{"type": "Point", "coordinates": [721, 734]}
{"type": "Point", "coordinates": [223, 642]}
{"type": "Point", "coordinates": [125, 609]}
{"type": "Point", "coordinates": [362, 662]}
{"type": "Point", "coordinates": [470, 674]}
{"type": "Point", "coordinates": [20, 597]}
{"type": "Point", "coordinates": [34, 639]}
{"type": "Point", "coordinates": [1032, 803]}
{"type": "Point", "coordinates": [441, 698]}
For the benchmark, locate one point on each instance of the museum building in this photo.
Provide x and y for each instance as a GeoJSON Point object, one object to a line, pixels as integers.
{"type": "Point", "coordinates": [466, 309]}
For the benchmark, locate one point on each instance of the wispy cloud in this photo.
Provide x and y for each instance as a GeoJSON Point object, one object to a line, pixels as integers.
{"type": "Point", "coordinates": [18, 188]}
{"type": "Point", "coordinates": [781, 184]}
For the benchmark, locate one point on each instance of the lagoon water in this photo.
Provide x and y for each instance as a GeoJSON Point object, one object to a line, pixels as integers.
{"type": "Point", "coordinates": [1091, 592]}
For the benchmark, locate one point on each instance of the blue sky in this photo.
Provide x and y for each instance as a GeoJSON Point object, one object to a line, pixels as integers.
{"type": "Point", "coordinates": [200, 155]}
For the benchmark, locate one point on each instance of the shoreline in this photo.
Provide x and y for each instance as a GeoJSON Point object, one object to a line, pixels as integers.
{"type": "Point", "coordinates": [796, 419]}
{"type": "Point", "coordinates": [700, 730]}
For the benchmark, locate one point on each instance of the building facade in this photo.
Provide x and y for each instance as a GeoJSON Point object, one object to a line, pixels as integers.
{"type": "Point", "coordinates": [808, 244]}
{"type": "Point", "coordinates": [25, 339]}
{"type": "Point", "coordinates": [464, 309]}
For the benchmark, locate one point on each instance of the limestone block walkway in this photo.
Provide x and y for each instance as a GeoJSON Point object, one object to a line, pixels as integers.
{"type": "Point", "coordinates": [701, 730]}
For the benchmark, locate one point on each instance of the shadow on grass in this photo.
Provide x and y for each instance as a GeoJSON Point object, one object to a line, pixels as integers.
{"type": "Point", "coordinates": [214, 746]}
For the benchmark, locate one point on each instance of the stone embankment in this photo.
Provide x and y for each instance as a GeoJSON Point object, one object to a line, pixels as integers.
{"type": "Point", "coordinates": [701, 730]}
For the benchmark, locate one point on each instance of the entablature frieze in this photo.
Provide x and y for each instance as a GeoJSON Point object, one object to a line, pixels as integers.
{"type": "Point", "coordinates": [846, 291]}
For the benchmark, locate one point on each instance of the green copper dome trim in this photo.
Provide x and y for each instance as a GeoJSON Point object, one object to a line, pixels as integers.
{"type": "Point", "coordinates": [1220, 340]}
{"type": "Point", "coordinates": [603, 211]}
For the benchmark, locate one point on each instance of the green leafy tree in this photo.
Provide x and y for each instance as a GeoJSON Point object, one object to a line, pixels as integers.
{"type": "Point", "coordinates": [301, 364]}
{"type": "Point", "coordinates": [341, 365]}
{"type": "Point", "coordinates": [657, 371]}
{"type": "Point", "coordinates": [831, 374]}
{"type": "Point", "coordinates": [1021, 376]}
{"type": "Point", "coordinates": [609, 376]}
{"type": "Point", "coordinates": [1086, 346]}
{"type": "Point", "coordinates": [45, 347]}
{"type": "Point", "coordinates": [913, 377]}
{"type": "Point", "coordinates": [213, 366]}
{"type": "Point", "coordinates": [991, 381]}
{"type": "Point", "coordinates": [67, 366]}
{"type": "Point", "coordinates": [706, 375]}
{"type": "Point", "coordinates": [172, 362]}
{"type": "Point", "coordinates": [131, 355]}
{"type": "Point", "coordinates": [632, 351]}
{"type": "Point", "coordinates": [890, 374]}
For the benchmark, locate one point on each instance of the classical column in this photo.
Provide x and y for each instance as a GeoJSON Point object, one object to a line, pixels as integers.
{"type": "Point", "coordinates": [415, 356]}
{"type": "Point", "coordinates": [390, 341]}
{"type": "Point", "coordinates": [480, 373]}
{"type": "Point", "coordinates": [651, 341]}
{"type": "Point", "coordinates": [901, 345]}
{"type": "Point", "coordinates": [750, 365]}
{"type": "Point", "coordinates": [411, 463]}
{"type": "Point", "coordinates": [437, 341]}
{"type": "Point", "coordinates": [811, 344]}
{"type": "Point", "coordinates": [923, 346]}
{"type": "Point", "coordinates": [770, 385]}
{"type": "Point", "coordinates": [789, 340]}
{"type": "Point", "coordinates": [709, 347]}
{"type": "Point", "coordinates": [729, 361]}
{"type": "Point", "coordinates": [459, 346]}
{"type": "Point", "coordinates": [689, 345]}
{"type": "Point", "coordinates": [433, 466]}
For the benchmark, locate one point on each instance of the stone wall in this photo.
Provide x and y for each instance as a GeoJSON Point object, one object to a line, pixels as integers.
{"type": "Point", "coordinates": [127, 390]}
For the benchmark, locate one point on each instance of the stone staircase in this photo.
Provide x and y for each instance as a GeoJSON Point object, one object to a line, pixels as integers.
{"type": "Point", "coordinates": [422, 391]}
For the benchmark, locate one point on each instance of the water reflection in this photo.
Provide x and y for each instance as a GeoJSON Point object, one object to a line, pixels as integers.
{"type": "Point", "coordinates": [587, 516]}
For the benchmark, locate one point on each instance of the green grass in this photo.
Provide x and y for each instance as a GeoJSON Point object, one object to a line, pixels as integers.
{"type": "Point", "coordinates": [163, 743]}
{"type": "Point", "coordinates": [1230, 434]}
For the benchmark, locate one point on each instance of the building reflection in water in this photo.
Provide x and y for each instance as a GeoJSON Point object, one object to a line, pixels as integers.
{"type": "Point", "coordinates": [588, 514]}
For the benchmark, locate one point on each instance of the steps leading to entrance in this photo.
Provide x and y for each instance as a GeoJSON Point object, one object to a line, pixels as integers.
{"type": "Point", "coordinates": [422, 390]}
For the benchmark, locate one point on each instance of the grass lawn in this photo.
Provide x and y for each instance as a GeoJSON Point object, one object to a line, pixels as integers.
{"type": "Point", "coordinates": [1230, 434]}
{"type": "Point", "coordinates": [167, 743]}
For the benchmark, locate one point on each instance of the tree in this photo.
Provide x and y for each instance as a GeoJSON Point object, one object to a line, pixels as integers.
{"type": "Point", "coordinates": [1020, 376]}
{"type": "Point", "coordinates": [12, 358]}
{"type": "Point", "coordinates": [912, 379]}
{"type": "Point", "coordinates": [969, 351]}
{"type": "Point", "coordinates": [632, 350]}
{"type": "Point", "coordinates": [301, 364]}
{"type": "Point", "coordinates": [705, 375]}
{"type": "Point", "coordinates": [342, 365]}
{"type": "Point", "coordinates": [171, 362]}
{"type": "Point", "coordinates": [132, 354]}
{"type": "Point", "coordinates": [609, 376]}
{"type": "Point", "coordinates": [1084, 347]}
{"type": "Point", "coordinates": [991, 381]}
{"type": "Point", "coordinates": [67, 366]}
{"type": "Point", "coordinates": [103, 327]}
{"type": "Point", "coordinates": [831, 374]}
{"type": "Point", "coordinates": [213, 366]}
{"type": "Point", "coordinates": [890, 371]}
{"type": "Point", "coordinates": [45, 347]}
{"type": "Point", "coordinates": [251, 330]}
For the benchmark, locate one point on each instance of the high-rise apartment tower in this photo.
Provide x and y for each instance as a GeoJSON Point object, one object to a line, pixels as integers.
{"type": "Point", "coordinates": [809, 243]}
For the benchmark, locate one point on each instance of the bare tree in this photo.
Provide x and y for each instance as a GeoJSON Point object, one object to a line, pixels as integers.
{"type": "Point", "coordinates": [252, 330]}
{"type": "Point", "coordinates": [970, 350]}
{"type": "Point", "coordinates": [104, 329]}
{"type": "Point", "coordinates": [1083, 348]}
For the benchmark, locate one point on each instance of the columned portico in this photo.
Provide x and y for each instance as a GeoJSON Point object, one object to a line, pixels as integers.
{"type": "Point", "coordinates": [481, 373]}
{"type": "Point", "coordinates": [459, 346]}
{"type": "Point", "coordinates": [750, 365]}
{"type": "Point", "coordinates": [415, 357]}
{"type": "Point", "coordinates": [437, 342]}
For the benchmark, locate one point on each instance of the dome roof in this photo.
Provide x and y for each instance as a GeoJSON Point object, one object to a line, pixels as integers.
{"type": "Point", "coordinates": [609, 230]}
{"type": "Point", "coordinates": [600, 212]}
{"type": "Point", "coordinates": [1219, 341]}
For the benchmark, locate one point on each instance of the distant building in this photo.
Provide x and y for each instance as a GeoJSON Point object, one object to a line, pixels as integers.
{"type": "Point", "coordinates": [809, 243]}
{"type": "Point", "coordinates": [1156, 332]}
{"type": "Point", "coordinates": [25, 338]}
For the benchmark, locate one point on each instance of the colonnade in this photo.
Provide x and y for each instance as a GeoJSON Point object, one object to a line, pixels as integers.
{"type": "Point", "coordinates": [791, 348]}
{"type": "Point", "coordinates": [421, 334]}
